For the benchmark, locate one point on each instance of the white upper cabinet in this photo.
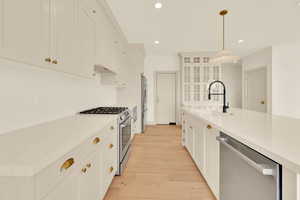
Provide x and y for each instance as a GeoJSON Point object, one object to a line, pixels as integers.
{"type": "Point", "coordinates": [25, 30]}
{"type": "Point", "coordinates": [88, 14]}
{"type": "Point", "coordinates": [108, 43]}
{"type": "Point", "coordinates": [197, 72]}
{"type": "Point", "coordinates": [64, 48]}
{"type": "Point", "coordinates": [71, 36]}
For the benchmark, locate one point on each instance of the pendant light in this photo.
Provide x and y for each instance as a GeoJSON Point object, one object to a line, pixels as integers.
{"type": "Point", "coordinates": [224, 56]}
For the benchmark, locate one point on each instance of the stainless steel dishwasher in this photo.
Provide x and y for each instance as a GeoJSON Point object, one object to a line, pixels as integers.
{"type": "Point", "coordinates": [246, 174]}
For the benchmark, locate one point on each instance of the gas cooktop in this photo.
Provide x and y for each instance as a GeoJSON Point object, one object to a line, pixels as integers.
{"type": "Point", "coordinates": [105, 110]}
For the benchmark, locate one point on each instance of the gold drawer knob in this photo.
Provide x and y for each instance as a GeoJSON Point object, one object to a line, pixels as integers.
{"type": "Point", "coordinates": [55, 62]}
{"type": "Point", "coordinates": [67, 164]}
{"type": "Point", "coordinates": [48, 60]}
{"type": "Point", "coordinates": [89, 165]}
{"type": "Point", "coordinates": [111, 169]}
{"type": "Point", "coordinates": [112, 128]}
{"type": "Point", "coordinates": [84, 170]}
{"type": "Point", "coordinates": [111, 146]}
{"type": "Point", "coordinates": [209, 126]}
{"type": "Point", "coordinates": [96, 140]}
{"type": "Point", "coordinates": [184, 122]}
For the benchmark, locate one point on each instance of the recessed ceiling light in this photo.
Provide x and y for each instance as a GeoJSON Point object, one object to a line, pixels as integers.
{"type": "Point", "coordinates": [240, 41]}
{"type": "Point", "coordinates": [158, 5]}
{"type": "Point", "coordinates": [156, 42]}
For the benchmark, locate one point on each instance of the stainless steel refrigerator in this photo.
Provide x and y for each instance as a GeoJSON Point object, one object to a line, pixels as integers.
{"type": "Point", "coordinates": [144, 102]}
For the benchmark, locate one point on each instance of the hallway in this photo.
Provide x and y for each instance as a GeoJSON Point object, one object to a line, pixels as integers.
{"type": "Point", "coordinates": [159, 169]}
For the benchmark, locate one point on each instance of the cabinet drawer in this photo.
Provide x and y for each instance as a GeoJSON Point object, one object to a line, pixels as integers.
{"type": "Point", "coordinates": [110, 129]}
{"type": "Point", "coordinates": [50, 177]}
{"type": "Point", "coordinates": [110, 148]}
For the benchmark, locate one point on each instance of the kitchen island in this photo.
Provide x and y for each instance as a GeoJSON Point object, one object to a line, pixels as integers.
{"type": "Point", "coordinates": [275, 137]}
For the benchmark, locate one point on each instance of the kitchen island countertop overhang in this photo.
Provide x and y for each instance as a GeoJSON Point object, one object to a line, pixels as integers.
{"type": "Point", "coordinates": [273, 136]}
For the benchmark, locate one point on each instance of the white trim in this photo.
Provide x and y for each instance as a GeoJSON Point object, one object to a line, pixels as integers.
{"type": "Point", "coordinates": [151, 123]}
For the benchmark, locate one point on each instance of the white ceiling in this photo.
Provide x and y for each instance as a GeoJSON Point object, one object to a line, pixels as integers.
{"type": "Point", "coordinates": [194, 25]}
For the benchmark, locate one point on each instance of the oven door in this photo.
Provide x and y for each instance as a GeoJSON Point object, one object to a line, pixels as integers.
{"type": "Point", "coordinates": [125, 137]}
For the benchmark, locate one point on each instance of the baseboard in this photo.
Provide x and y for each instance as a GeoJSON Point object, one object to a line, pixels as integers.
{"type": "Point", "coordinates": [151, 123]}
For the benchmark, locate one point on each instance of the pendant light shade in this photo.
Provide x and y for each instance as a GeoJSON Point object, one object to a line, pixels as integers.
{"type": "Point", "coordinates": [224, 56]}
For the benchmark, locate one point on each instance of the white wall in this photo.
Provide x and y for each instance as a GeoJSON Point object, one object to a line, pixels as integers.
{"type": "Point", "coordinates": [232, 78]}
{"type": "Point", "coordinates": [286, 81]}
{"type": "Point", "coordinates": [153, 64]}
{"type": "Point", "coordinates": [31, 95]}
{"type": "Point", "coordinates": [260, 58]}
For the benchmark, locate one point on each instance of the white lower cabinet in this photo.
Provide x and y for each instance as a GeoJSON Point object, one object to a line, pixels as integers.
{"type": "Point", "coordinates": [68, 189]}
{"type": "Point", "coordinates": [190, 139]}
{"type": "Point", "coordinates": [84, 174]}
{"type": "Point", "coordinates": [212, 159]}
{"type": "Point", "coordinates": [199, 145]}
{"type": "Point", "coordinates": [91, 178]}
{"type": "Point", "coordinates": [200, 141]}
{"type": "Point", "coordinates": [199, 138]}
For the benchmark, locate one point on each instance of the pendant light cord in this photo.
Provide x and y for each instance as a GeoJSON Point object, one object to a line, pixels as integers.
{"type": "Point", "coordinates": [223, 32]}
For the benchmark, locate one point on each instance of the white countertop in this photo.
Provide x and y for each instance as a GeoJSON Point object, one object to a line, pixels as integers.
{"type": "Point", "coordinates": [275, 137]}
{"type": "Point", "coordinates": [27, 151]}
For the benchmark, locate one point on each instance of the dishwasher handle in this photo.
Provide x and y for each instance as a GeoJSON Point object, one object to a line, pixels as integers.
{"type": "Point", "coordinates": [262, 168]}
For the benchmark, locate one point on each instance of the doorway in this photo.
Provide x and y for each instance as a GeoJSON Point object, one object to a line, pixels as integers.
{"type": "Point", "coordinates": [166, 97]}
{"type": "Point", "coordinates": [256, 89]}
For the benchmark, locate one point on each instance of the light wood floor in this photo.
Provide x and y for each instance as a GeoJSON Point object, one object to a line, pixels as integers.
{"type": "Point", "coordinates": [159, 169]}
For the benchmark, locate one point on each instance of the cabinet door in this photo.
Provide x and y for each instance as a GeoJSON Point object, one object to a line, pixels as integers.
{"type": "Point", "coordinates": [91, 178]}
{"type": "Point", "coordinates": [87, 38]}
{"type": "Point", "coordinates": [189, 137]}
{"type": "Point", "coordinates": [105, 41]}
{"type": "Point", "coordinates": [199, 154]}
{"type": "Point", "coordinates": [25, 30]}
{"type": "Point", "coordinates": [212, 160]}
{"type": "Point", "coordinates": [64, 48]}
{"type": "Point", "coordinates": [68, 189]}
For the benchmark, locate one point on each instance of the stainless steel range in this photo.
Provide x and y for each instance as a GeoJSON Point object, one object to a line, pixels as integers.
{"type": "Point", "coordinates": [124, 141]}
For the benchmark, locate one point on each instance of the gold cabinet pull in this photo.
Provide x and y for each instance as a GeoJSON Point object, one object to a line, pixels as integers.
{"type": "Point", "coordinates": [209, 126]}
{"type": "Point", "coordinates": [96, 140]}
{"type": "Point", "coordinates": [111, 146]}
{"type": "Point", "coordinates": [111, 169]}
{"type": "Point", "coordinates": [55, 62]}
{"type": "Point", "coordinates": [67, 164]}
{"type": "Point", "coordinates": [48, 60]}
{"type": "Point", "coordinates": [89, 165]}
{"type": "Point", "coordinates": [112, 128]}
{"type": "Point", "coordinates": [184, 122]}
{"type": "Point", "coordinates": [84, 170]}
{"type": "Point", "coordinates": [262, 102]}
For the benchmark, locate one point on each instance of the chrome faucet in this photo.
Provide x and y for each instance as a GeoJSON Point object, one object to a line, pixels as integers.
{"type": "Point", "coordinates": [225, 107]}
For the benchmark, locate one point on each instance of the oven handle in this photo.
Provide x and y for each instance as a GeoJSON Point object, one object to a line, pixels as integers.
{"type": "Point", "coordinates": [263, 169]}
